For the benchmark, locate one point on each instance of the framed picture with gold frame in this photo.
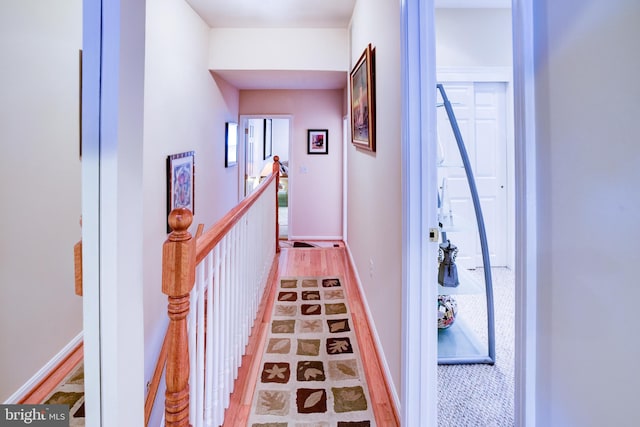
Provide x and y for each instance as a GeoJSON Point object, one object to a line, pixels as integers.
{"type": "Point", "coordinates": [362, 90]}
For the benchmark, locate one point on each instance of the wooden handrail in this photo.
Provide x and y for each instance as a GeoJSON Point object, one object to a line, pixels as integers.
{"type": "Point", "coordinates": [212, 236]}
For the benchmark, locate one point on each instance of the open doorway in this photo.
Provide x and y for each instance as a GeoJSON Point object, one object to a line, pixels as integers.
{"type": "Point", "coordinates": [264, 138]}
{"type": "Point", "coordinates": [474, 67]}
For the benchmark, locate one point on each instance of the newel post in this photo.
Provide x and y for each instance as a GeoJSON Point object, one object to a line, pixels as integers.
{"type": "Point", "coordinates": [178, 277]}
{"type": "Point", "coordinates": [276, 172]}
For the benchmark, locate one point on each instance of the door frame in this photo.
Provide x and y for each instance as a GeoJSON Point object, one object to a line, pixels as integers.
{"type": "Point", "coordinates": [242, 148]}
{"type": "Point", "coordinates": [91, 69]}
{"type": "Point", "coordinates": [526, 260]}
{"type": "Point", "coordinates": [112, 187]}
{"type": "Point", "coordinates": [419, 347]}
{"type": "Point", "coordinates": [242, 158]}
{"type": "Point", "coordinates": [419, 394]}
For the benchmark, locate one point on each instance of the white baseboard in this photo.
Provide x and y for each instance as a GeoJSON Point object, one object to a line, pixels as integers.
{"type": "Point", "coordinates": [316, 238]}
{"type": "Point", "coordinates": [374, 333]}
{"type": "Point", "coordinates": [44, 371]}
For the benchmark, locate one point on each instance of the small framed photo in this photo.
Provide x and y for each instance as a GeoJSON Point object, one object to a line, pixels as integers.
{"type": "Point", "coordinates": [318, 141]}
{"type": "Point", "coordinates": [363, 101]}
{"type": "Point", "coordinates": [230, 144]}
{"type": "Point", "coordinates": [180, 182]}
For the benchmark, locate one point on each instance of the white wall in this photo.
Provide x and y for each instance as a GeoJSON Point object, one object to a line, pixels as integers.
{"type": "Point", "coordinates": [40, 184]}
{"type": "Point", "coordinates": [273, 48]}
{"type": "Point", "coordinates": [374, 181]}
{"type": "Point", "coordinates": [185, 109]}
{"type": "Point", "coordinates": [587, 93]}
{"type": "Point", "coordinates": [315, 181]}
{"type": "Point", "coordinates": [473, 37]}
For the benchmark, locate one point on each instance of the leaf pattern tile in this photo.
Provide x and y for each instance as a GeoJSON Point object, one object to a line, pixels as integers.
{"type": "Point", "coordinates": [339, 308]}
{"type": "Point", "coordinates": [339, 346]}
{"type": "Point", "coordinates": [310, 400]}
{"type": "Point", "coordinates": [338, 325]}
{"type": "Point", "coordinates": [343, 369]}
{"type": "Point", "coordinates": [273, 402]}
{"type": "Point", "coordinates": [310, 295]}
{"type": "Point", "coordinates": [308, 347]}
{"type": "Point", "coordinates": [311, 309]}
{"type": "Point", "coordinates": [286, 310]}
{"type": "Point", "coordinates": [279, 345]}
{"type": "Point", "coordinates": [309, 283]}
{"type": "Point", "coordinates": [310, 370]}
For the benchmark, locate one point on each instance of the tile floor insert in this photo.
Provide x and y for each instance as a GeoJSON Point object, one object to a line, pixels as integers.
{"type": "Point", "coordinates": [311, 373]}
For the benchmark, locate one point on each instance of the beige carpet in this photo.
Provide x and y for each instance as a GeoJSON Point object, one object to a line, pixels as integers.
{"type": "Point", "coordinates": [483, 395]}
{"type": "Point", "coordinates": [311, 373]}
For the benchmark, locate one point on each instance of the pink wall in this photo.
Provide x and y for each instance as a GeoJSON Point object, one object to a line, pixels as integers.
{"type": "Point", "coordinates": [315, 181]}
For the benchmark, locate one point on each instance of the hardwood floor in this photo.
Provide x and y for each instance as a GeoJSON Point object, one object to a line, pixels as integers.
{"type": "Point", "coordinates": [325, 261]}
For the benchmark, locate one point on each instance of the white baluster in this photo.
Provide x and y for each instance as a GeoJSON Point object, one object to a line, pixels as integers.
{"type": "Point", "coordinates": [209, 404]}
{"type": "Point", "coordinates": [219, 409]}
{"type": "Point", "coordinates": [192, 323]}
{"type": "Point", "coordinates": [228, 321]}
{"type": "Point", "coordinates": [199, 365]}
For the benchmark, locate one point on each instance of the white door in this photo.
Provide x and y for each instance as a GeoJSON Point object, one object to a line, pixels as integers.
{"type": "Point", "coordinates": [480, 110]}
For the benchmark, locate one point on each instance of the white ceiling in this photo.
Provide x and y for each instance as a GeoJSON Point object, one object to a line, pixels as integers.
{"type": "Point", "coordinates": [275, 13]}
{"type": "Point", "coordinates": [299, 13]}
{"type": "Point", "coordinates": [293, 14]}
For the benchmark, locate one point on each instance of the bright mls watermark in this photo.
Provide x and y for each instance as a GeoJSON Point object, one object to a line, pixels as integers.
{"type": "Point", "coordinates": [34, 415]}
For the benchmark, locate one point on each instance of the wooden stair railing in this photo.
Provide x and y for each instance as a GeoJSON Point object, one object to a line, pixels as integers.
{"type": "Point", "coordinates": [178, 278]}
{"type": "Point", "coordinates": [181, 253]}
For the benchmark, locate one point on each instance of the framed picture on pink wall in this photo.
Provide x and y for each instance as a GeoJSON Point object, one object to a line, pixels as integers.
{"type": "Point", "coordinates": [362, 90]}
{"type": "Point", "coordinates": [318, 141]}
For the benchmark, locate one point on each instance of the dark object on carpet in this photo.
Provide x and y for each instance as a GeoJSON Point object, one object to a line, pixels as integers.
{"type": "Point", "coordinates": [303, 245]}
